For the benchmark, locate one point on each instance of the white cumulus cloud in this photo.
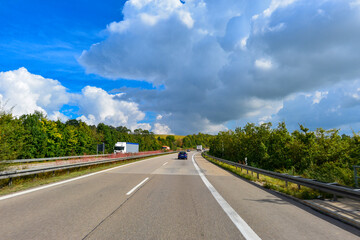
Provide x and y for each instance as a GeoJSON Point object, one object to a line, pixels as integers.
{"type": "Point", "coordinates": [98, 106]}
{"type": "Point", "coordinates": [161, 129]}
{"type": "Point", "coordinates": [57, 115]}
{"type": "Point", "coordinates": [263, 64]}
{"type": "Point", "coordinates": [226, 60]}
{"type": "Point", "coordinates": [26, 92]}
{"type": "Point", "coordinates": [337, 106]}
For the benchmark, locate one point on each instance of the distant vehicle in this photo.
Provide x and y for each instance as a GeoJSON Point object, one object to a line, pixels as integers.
{"type": "Point", "coordinates": [126, 147]}
{"type": "Point", "coordinates": [182, 155]}
{"type": "Point", "coordinates": [199, 148]}
{"type": "Point", "coordinates": [165, 148]}
{"type": "Point", "coordinates": [188, 150]}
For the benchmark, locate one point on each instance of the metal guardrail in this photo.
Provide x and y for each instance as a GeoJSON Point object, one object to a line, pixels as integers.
{"type": "Point", "coordinates": [54, 158]}
{"type": "Point", "coordinates": [332, 188]}
{"type": "Point", "coordinates": [21, 173]}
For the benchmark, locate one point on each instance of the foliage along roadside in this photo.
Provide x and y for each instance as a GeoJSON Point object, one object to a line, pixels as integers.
{"type": "Point", "coordinates": [323, 155]}
{"type": "Point", "coordinates": [35, 136]}
{"type": "Point", "coordinates": [291, 189]}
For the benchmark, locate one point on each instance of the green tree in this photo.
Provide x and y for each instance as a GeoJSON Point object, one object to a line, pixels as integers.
{"type": "Point", "coordinates": [12, 136]}
{"type": "Point", "coordinates": [35, 141]}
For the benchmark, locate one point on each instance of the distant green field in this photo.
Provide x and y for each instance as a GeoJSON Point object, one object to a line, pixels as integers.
{"type": "Point", "coordinates": [164, 136]}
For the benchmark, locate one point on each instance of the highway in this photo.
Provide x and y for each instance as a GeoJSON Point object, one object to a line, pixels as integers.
{"type": "Point", "coordinates": [163, 198]}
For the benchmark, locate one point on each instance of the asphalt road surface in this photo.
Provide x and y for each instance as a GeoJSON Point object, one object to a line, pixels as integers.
{"type": "Point", "coordinates": [163, 198]}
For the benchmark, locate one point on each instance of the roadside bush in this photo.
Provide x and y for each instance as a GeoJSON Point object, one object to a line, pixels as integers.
{"type": "Point", "coordinates": [323, 155]}
{"type": "Point", "coordinates": [329, 172]}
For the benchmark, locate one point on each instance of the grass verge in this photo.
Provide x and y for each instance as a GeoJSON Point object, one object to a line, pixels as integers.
{"type": "Point", "coordinates": [27, 182]}
{"type": "Point", "coordinates": [291, 189]}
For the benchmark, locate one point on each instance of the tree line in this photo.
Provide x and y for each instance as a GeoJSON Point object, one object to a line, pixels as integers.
{"type": "Point", "coordinates": [324, 155]}
{"type": "Point", "coordinates": [35, 136]}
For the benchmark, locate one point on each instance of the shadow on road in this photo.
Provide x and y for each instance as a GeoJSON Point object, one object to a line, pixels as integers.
{"type": "Point", "coordinates": [273, 200]}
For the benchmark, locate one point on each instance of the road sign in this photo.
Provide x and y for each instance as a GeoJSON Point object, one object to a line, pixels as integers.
{"type": "Point", "coordinates": [100, 148]}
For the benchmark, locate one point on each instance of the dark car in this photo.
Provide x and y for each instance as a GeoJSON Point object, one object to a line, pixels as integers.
{"type": "Point", "coordinates": [188, 150]}
{"type": "Point", "coordinates": [182, 155]}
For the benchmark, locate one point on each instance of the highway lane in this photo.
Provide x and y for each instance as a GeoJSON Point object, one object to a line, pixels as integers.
{"type": "Point", "coordinates": [173, 203]}
{"type": "Point", "coordinates": [271, 215]}
{"type": "Point", "coordinates": [76, 209]}
{"type": "Point", "coordinates": [71, 210]}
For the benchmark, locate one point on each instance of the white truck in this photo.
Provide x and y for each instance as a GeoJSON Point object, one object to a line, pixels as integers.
{"type": "Point", "coordinates": [199, 148]}
{"type": "Point", "coordinates": [126, 147]}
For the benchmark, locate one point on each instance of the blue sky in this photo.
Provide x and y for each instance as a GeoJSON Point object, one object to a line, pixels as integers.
{"type": "Point", "coordinates": [47, 37]}
{"type": "Point", "coordinates": [183, 67]}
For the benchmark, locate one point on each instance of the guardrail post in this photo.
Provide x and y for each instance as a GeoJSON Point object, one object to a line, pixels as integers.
{"type": "Point", "coordinates": [247, 171]}
{"type": "Point", "coordinates": [257, 175]}
{"type": "Point", "coordinates": [335, 198]}
{"type": "Point", "coordinates": [286, 183]}
{"type": "Point", "coordinates": [10, 182]}
{"type": "Point", "coordinates": [299, 187]}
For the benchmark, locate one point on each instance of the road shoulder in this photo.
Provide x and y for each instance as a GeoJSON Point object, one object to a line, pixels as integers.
{"type": "Point", "coordinates": [293, 219]}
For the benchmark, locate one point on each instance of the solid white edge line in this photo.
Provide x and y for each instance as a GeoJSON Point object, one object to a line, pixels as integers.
{"type": "Point", "coordinates": [165, 163]}
{"type": "Point", "coordinates": [137, 186]}
{"type": "Point", "coordinates": [243, 227]}
{"type": "Point", "coordinates": [69, 180]}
